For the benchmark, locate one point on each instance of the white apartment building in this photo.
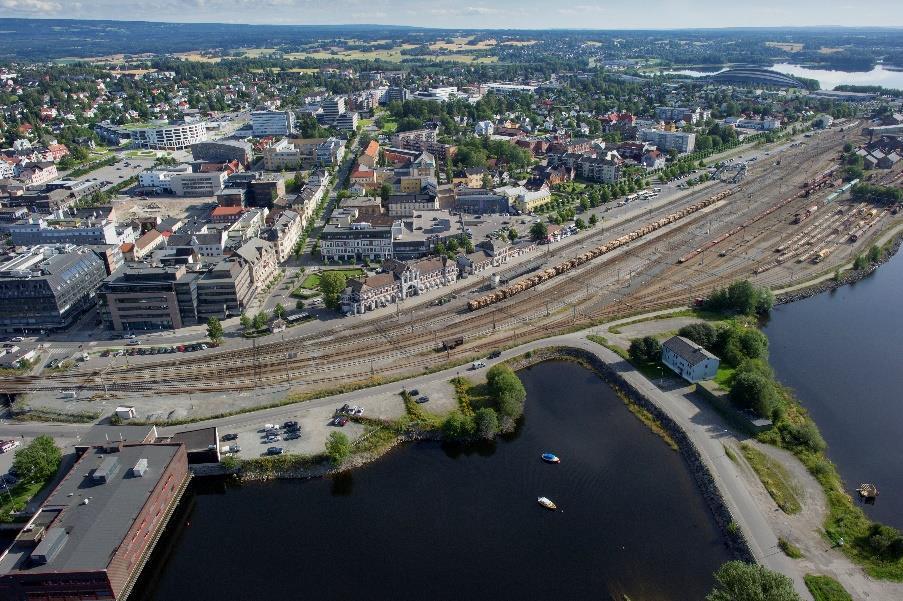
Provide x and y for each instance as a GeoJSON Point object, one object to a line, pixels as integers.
{"type": "Point", "coordinates": [680, 141]}
{"type": "Point", "coordinates": [262, 260]}
{"type": "Point", "coordinates": [38, 231]}
{"type": "Point", "coordinates": [287, 230]}
{"type": "Point", "coordinates": [161, 179]}
{"type": "Point", "coordinates": [169, 137]}
{"type": "Point", "coordinates": [198, 184]}
{"type": "Point", "coordinates": [272, 123]}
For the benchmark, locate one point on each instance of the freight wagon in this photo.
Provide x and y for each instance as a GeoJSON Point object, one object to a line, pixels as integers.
{"type": "Point", "coordinates": [525, 284]}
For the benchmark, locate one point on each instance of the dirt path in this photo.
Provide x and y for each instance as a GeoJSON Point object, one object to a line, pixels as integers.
{"type": "Point", "coordinates": [805, 528]}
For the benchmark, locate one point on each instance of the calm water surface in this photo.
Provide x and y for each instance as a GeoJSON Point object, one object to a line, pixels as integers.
{"type": "Point", "coordinates": [841, 353]}
{"type": "Point", "coordinates": [828, 79]}
{"type": "Point", "coordinates": [430, 523]}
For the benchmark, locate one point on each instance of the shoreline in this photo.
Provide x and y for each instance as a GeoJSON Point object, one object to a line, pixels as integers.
{"type": "Point", "coordinates": [732, 536]}
{"type": "Point", "coordinates": [847, 277]}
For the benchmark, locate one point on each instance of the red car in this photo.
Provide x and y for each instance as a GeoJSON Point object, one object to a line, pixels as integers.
{"type": "Point", "coordinates": [340, 421]}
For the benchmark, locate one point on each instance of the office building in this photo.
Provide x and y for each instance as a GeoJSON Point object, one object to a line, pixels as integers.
{"type": "Point", "coordinates": [223, 151]}
{"type": "Point", "coordinates": [198, 184]}
{"type": "Point", "coordinates": [46, 288]}
{"type": "Point", "coordinates": [139, 297]}
{"type": "Point", "coordinates": [156, 136]}
{"type": "Point", "coordinates": [225, 290]}
{"type": "Point", "coordinates": [272, 123]}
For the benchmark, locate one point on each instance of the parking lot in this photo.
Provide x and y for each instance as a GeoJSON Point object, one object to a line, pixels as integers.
{"type": "Point", "coordinates": [316, 418]}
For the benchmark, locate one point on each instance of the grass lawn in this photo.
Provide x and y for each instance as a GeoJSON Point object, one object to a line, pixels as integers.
{"type": "Point", "coordinates": [778, 482]}
{"type": "Point", "coordinates": [825, 588]}
{"type": "Point", "coordinates": [724, 376]}
{"type": "Point", "coordinates": [312, 282]}
{"type": "Point", "coordinates": [18, 497]}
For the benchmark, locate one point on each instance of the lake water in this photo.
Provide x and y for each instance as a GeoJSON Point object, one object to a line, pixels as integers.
{"type": "Point", "coordinates": [828, 79]}
{"type": "Point", "coordinates": [427, 522]}
{"type": "Point", "coordinates": [840, 351]}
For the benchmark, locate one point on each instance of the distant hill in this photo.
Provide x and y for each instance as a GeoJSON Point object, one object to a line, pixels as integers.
{"type": "Point", "coordinates": [48, 39]}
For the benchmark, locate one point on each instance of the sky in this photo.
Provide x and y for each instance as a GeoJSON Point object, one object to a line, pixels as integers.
{"type": "Point", "coordinates": [479, 14]}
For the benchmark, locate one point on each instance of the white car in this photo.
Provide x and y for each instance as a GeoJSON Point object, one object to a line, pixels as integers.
{"type": "Point", "coordinates": [271, 427]}
{"type": "Point", "coordinates": [358, 410]}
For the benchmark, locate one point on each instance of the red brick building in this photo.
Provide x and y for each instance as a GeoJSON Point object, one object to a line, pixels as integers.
{"type": "Point", "coordinates": [92, 536]}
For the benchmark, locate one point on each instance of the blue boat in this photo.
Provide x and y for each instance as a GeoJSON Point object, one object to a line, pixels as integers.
{"type": "Point", "coordinates": [550, 458]}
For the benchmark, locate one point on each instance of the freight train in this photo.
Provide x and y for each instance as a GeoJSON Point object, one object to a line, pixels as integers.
{"type": "Point", "coordinates": [547, 274]}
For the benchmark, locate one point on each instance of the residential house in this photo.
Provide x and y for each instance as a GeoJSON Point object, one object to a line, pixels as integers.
{"type": "Point", "coordinates": [689, 360]}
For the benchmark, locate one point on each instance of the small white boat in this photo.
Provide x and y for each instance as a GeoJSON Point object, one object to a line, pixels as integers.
{"type": "Point", "coordinates": [550, 458]}
{"type": "Point", "coordinates": [547, 503]}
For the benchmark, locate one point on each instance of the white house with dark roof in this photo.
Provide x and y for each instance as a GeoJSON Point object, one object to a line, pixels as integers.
{"type": "Point", "coordinates": [689, 360]}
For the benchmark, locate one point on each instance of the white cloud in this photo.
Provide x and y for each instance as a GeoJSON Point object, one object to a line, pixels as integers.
{"type": "Point", "coordinates": [31, 6]}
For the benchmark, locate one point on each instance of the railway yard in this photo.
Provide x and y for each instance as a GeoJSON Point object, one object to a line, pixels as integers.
{"type": "Point", "coordinates": [780, 225]}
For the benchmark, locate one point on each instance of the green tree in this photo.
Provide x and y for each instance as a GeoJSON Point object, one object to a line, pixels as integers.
{"type": "Point", "coordinates": [539, 231]}
{"type": "Point", "coordinates": [261, 320]}
{"type": "Point", "coordinates": [704, 334]}
{"type": "Point", "coordinates": [512, 234]}
{"type": "Point", "coordinates": [385, 191]}
{"type": "Point", "coordinates": [39, 460]}
{"type": "Point", "coordinates": [245, 321]}
{"type": "Point", "coordinates": [645, 350]}
{"type": "Point", "coordinates": [458, 426]}
{"type": "Point", "coordinates": [874, 254]}
{"type": "Point", "coordinates": [580, 224]}
{"type": "Point", "coordinates": [507, 390]}
{"type": "Point", "coordinates": [338, 447]}
{"type": "Point", "coordinates": [739, 581]}
{"type": "Point", "coordinates": [593, 220]}
{"type": "Point", "coordinates": [279, 311]}
{"type": "Point", "coordinates": [487, 423]}
{"type": "Point", "coordinates": [332, 284]}
{"type": "Point", "coordinates": [214, 330]}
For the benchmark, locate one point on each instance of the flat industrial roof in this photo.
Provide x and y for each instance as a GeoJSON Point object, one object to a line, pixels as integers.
{"type": "Point", "coordinates": [95, 529]}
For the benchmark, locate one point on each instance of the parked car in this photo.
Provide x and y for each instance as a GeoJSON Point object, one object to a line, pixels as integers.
{"type": "Point", "coordinates": [414, 392]}
{"type": "Point", "coordinates": [340, 421]}
{"type": "Point", "coordinates": [271, 438]}
{"type": "Point", "coordinates": [231, 436]}
{"type": "Point", "coordinates": [423, 399]}
{"type": "Point", "coordinates": [495, 354]}
{"type": "Point", "coordinates": [292, 435]}
{"type": "Point", "coordinates": [275, 451]}
{"type": "Point", "coordinates": [133, 342]}
{"type": "Point", "coordinates": [358, 410]}
{"type": "Point", "coordinates": [270, 427]}
{"type": "Point", "coordinates": [290, 425]}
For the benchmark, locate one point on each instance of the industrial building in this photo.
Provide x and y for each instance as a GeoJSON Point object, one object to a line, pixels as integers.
{"type": "Point", "coordinates": [94, 533]}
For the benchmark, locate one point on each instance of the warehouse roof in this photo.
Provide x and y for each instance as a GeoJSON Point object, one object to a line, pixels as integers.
{"type": "Point", "coordinates": [96, 515]}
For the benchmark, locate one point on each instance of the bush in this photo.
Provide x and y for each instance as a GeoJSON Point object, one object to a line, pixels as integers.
{"type": "Point", "coordinates": [645, 350]}
{"type": "Point", "coordinates": [458, 426]}
{"type": "Point", "coordinates": [802, 435]}
{"type": "Point", "coordinates": [338, 447]}
{"type": "Point", "coordinates": [507, 390]}
{"type": "Point", "coordinates": [487, 423]}
{"type": "Point", "coordinates": [739, 581]}
{"type": "Point", "coordinates": [704, 334]}
{"type": "Point", "coordinates": [38, 461]}
{"type": "Point", "coordinates": [885, 541]}
{"type": "Point", "coordinates": [825, 588]}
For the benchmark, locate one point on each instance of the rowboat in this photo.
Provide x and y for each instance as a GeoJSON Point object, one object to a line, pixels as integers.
{"type": "Point", "coordinates": [550, 458]}
{"type": "Point", "coordinates": [547, 503]}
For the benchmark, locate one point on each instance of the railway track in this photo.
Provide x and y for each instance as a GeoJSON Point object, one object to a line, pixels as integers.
{"type": "Point", "coordinates": [354, 353]}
